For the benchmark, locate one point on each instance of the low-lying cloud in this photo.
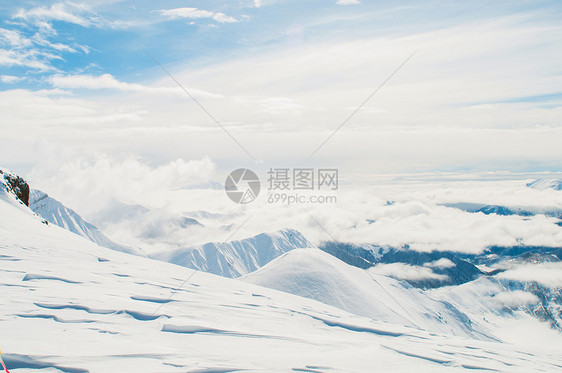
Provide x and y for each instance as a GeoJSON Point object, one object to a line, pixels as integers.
{"type": "Point", "coordinates": [406, 272]}
{"type": "Point", "coordinates": [440, 263]}
{"type": "Point", "coordinates": [546, 274]}
{"type": "Point", "coordinates": [362, 215]}
{"type": "Point", "coordinates": [87, 184]}
{"type": "Point", "coordinates": [516, 298]}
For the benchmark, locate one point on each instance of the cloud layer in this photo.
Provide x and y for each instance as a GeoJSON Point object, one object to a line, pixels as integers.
{"type": "Point", "coordinates": [403, 271]}
{"type": "Point", "coordinates": [546, 274]}
{"type": "Point", "coordinates": [414, 217]}
{"type": "Point", "coordinates": [472, 109]}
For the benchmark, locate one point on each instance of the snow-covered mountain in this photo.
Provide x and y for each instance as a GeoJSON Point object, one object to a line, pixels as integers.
{"type": "Point", "coordinates": [71, 305]}
{"type": "Point", "coordinates": [548, 304]}
{"type": "Point", "coordinates": [428, 270]}
{"type": "Point", "coordinates": [489, 209]}
{"type": "Point", "coordinates": [495, 255]}
{"type": "Point", "coordinates": [506, 305]}
{"type": "Point", "coordinates": [314, 274]}
{"type": "Point", "coordinates": [56, 213]}
{"type": "Point", "coordinates": [236, 258]}
{"type": "Point", "coordinates": [497, 262]}
{"type": "Point", "coordinates": [542, 184]}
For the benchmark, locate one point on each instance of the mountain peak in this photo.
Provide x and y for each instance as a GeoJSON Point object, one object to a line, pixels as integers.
{"type": "Point", "coordinates": [238, 257]}
{"type": "Point", "coordinates": [57, 213]}
{"type": "Point", "coordinates": [315, 274]}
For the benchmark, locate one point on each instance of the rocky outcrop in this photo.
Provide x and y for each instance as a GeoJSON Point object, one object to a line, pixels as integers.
{"type": "Point", "coordinates": [17, 186]}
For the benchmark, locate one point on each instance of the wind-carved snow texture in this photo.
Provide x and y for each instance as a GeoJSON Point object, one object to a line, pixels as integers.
{"type": "Point", "coordinates": [113, 313]}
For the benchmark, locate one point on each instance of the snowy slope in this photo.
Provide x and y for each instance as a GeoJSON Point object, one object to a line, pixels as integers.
{"type": "Point", "coordinates": [314, 274]}
{"type": "Point", "coordinates": [56, 213]}
{"type": "Point", "coordinates": [70, 305]}
{"type": "Point", "coordinates": [236, 258]}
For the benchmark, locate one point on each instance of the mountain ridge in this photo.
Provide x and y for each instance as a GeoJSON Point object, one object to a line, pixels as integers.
{"type": "Point", "coordinates": [237, 257]}
{"type": "Point", "coordinates": [56, 213]}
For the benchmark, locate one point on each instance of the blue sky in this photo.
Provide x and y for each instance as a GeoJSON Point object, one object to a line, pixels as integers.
{"type": "Point", "coordinates": [77, 81]}
{"type": "Point", "coordinates": [113, 36]}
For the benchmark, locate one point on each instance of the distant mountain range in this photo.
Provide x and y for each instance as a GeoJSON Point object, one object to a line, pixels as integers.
{"type": "Point", "coordinates": [503, 210]}
{"type": "Point", "coordinates": [285, 260]}
{"type": "Point", "coordinates": [71, 305]}
{"type": "Point", "coordinates": [555, 184]}
{"type": "Point", "coordinates": [452, 270]}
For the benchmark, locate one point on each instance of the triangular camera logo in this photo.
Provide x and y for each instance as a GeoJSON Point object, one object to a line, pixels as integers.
{"type": "Point", "coordinates": [242, 186]}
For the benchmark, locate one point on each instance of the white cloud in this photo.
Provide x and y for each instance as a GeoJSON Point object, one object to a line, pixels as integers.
{"type": "Point", "coordinates": [56, 12]}
{"type": "Point", "coordinates": [14, 38]}
{"type": "Point", "coordinates": [514, 299]}
{"type": "Point", "coordinates": [270, 105]}
{"type": "Point", "coordinates": [194, 13]}
{"type": "Point", "coordinates": [406, 272]}
{"type": "Point", "coordinates": [415, 218]}
{"type": "Point", "coordinates": [10, 79]}
{"type": "Point", "coordinates": [547, 274]}
{"type": "Point", "coordinates": [41, 40]}
{"type": "Point", "coordinates": [426, 117]}
{"type": "Point", "coordinates": [107, 81]}
{"type": "Point", "coordinates": [20, 51]}
{"type": "Point", "coordinates": [422, 123]}
{"type": "Point", "coordinates": [441, 263]}
{"type": "Point", "coordinates": [30, 59]}
{"type": "Point", "coordinates": [422, 108]}
{"type": "Point", "coordinates": [103, 81]}
{"type": "Point", "coordinates": [419, 112]}
{"type": "Point", "coordinates": [80, 14]}
{"type": "Point", "coordinates": [348, 2]}
{"type": "Point", "coordinates": [93, 181]}
{"type": "Point", "coordinates": [36, 51]}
